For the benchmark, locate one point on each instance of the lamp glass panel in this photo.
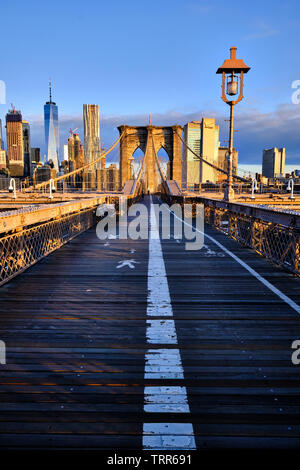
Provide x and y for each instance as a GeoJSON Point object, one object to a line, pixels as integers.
{"type": "Point", "coordinates": [232, 87]}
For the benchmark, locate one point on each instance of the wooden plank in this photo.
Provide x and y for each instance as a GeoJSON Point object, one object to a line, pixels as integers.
{"type": "Point", "coordinates": [75, 328]}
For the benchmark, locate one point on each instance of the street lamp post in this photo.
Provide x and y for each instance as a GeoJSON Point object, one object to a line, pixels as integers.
{"type": "Point", "coordinates": [291, 188]}
{"type": "Point", "coordinates": [51, 188]}
{"type": "Point", "coordinates": [232, 71]}
{"type": "Point", "coordinates": [12, 187]}
{"type": "Point", "coordinates": [254, 188]}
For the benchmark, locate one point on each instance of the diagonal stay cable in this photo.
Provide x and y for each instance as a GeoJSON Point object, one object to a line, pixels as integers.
{"type": "Point", "coordinates": [82, 168]}
{"type": "Point", "coordinates": [240, 178]}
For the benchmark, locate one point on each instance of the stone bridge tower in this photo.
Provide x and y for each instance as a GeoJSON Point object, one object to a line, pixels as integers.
{"type": "Point", "coordinates": [137, 137]}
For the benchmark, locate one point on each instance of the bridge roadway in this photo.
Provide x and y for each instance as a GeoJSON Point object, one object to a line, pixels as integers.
{"type": "Point", "coordinates": [95, 361]}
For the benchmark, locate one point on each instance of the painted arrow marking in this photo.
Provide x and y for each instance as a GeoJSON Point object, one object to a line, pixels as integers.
{"type": "Point", "coordinates": [129, 262]}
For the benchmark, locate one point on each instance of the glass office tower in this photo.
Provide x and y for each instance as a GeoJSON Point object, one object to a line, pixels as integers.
{"type": "Point", "coordinates": [51, 131]}
{"type": "Point", "coordinates": [92, 145]}
{"type": "Point", "coordinates": [26, 148]}
{"type": "Point", "coordinates": [1, 136]}
{"type": "Point", "coordinates": [14, 141]}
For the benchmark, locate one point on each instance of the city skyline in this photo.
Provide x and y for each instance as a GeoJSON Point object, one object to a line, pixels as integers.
{"type": "Point", "coordinates": [120, 81]}
{"type": "Point", "coordinates": [244, 138]}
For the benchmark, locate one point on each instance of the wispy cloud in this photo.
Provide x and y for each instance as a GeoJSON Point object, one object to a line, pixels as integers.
{"type": "Point", "coordinates": [200, 7]}
{"type": "Point", "coordinates": [256, 130]}
{"type": "Point", "coordinates": [262, 30]}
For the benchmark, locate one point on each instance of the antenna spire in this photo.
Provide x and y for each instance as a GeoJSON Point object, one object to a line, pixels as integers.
{"type": "Point", "coordinates": [50, 90]}
{"type": "Point", "coordinates": [149, 119]}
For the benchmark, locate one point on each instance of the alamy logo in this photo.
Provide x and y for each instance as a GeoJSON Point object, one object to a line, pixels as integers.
{"type": "Point", "coordinates": [296, 93]}
{"type": "Point", "coordinates": [174, 221]}
{"type": "Point", "coordinates": [2, 352]}
{"type": "Point", "coordinates": [296, 353]}
{"type": "Point", "coordinates": [2, 92]}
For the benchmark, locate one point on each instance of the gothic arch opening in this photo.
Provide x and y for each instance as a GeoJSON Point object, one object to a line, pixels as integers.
{"type": "Point", "coordinates": [164, 161]}
{"type": "Point", "coordinates": [138, 156]}
{"type": "Point", "coordinates": [135, 138]}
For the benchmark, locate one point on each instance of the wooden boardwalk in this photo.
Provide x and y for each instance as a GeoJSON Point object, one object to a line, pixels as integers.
{"type": "Point", "coordinates": [75, 331]}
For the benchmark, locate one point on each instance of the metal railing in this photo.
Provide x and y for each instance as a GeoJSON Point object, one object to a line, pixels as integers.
{"type": "Point", "coordinates": [239, 188]}
{"type": "Point", "coordinates": [277, 242]}
{"type": "Point", "coordinates": [24, 248]}
{"type": "Point", "coordinates": [271, 232]}
{"type": "Point", "coordinates": [29, 234]}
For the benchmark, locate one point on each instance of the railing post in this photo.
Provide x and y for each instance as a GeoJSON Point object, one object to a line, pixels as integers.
{"type": "Point", "coordinates": [233, 225]}
{"type": "Point", "coordinates": [256, 236]}
{"type": "Point", "coordinates": [297, 253]}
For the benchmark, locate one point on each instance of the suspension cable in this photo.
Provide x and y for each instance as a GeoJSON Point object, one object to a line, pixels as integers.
{"type": "Point", "coordinates": [137, 181]}
{"type": "Point", "coordinates": [221, 170]}
{"type": "Point", "coordinates": [162, 176]}
{"type": "Point", "coordinates": [84, 167]}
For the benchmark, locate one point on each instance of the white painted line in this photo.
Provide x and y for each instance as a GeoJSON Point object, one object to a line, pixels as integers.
{"type": "Point", "coordinates": [163, 364]}
{"type": "Point", "coordinates": [252, 271]}
{"type": "Point", "coordinates": [161, 332]}
{"type": "Point", "coordinates": [159, 302]}
{"type": "Point", "coordinates": [176, 429]}
{"type": "Point", "coordinates": [166, 400]}
{"type": "Point", "coordinates": [172, 373]}
{"type": "Point", "coordinates": [168, 436]}
{"type": "Point", "coordinates": [173, 390]}
{"type": "Point", "coordinates": [166, 407]}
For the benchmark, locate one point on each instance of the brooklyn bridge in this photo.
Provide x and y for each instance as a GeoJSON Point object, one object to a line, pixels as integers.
{"type": "Point", "coordinates": [123, 343]}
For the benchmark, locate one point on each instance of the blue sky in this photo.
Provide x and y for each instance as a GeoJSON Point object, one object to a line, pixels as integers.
{"type": "Point", "coordinates": [137, 57]}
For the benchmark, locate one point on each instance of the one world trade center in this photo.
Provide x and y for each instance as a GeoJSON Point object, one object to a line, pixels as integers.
{"type": "Point", "coordinates": [51, 130]}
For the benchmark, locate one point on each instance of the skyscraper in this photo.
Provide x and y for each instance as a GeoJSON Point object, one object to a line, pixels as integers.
{"type": "Point", "coordinates": [51, 130]}
{"type": "Point", "coordinates": [203, 138]}
{"type": "Point", "coordinates": [1, 136]}
{"type": "Point", "coordinates": [223, 162]}
{"type": "Point", "coordinates": [92, 147]}
{"type": "Point", "coordinates": [14, 139]}
{"type": "Point", "coordinates": [273, 162]}
{"type": "Point", "coordinates": [66, 155]}
{"type": "Point", "coordinates": [2, 159]}
{"type": "Point", "coordinates": [35, 157]}
{"type": "Point", "coordinates": [112, 177]}
{"type": "Point", "coordinates": [26, 148]}
{"type": "Point", "coordinates": [75, 151]}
